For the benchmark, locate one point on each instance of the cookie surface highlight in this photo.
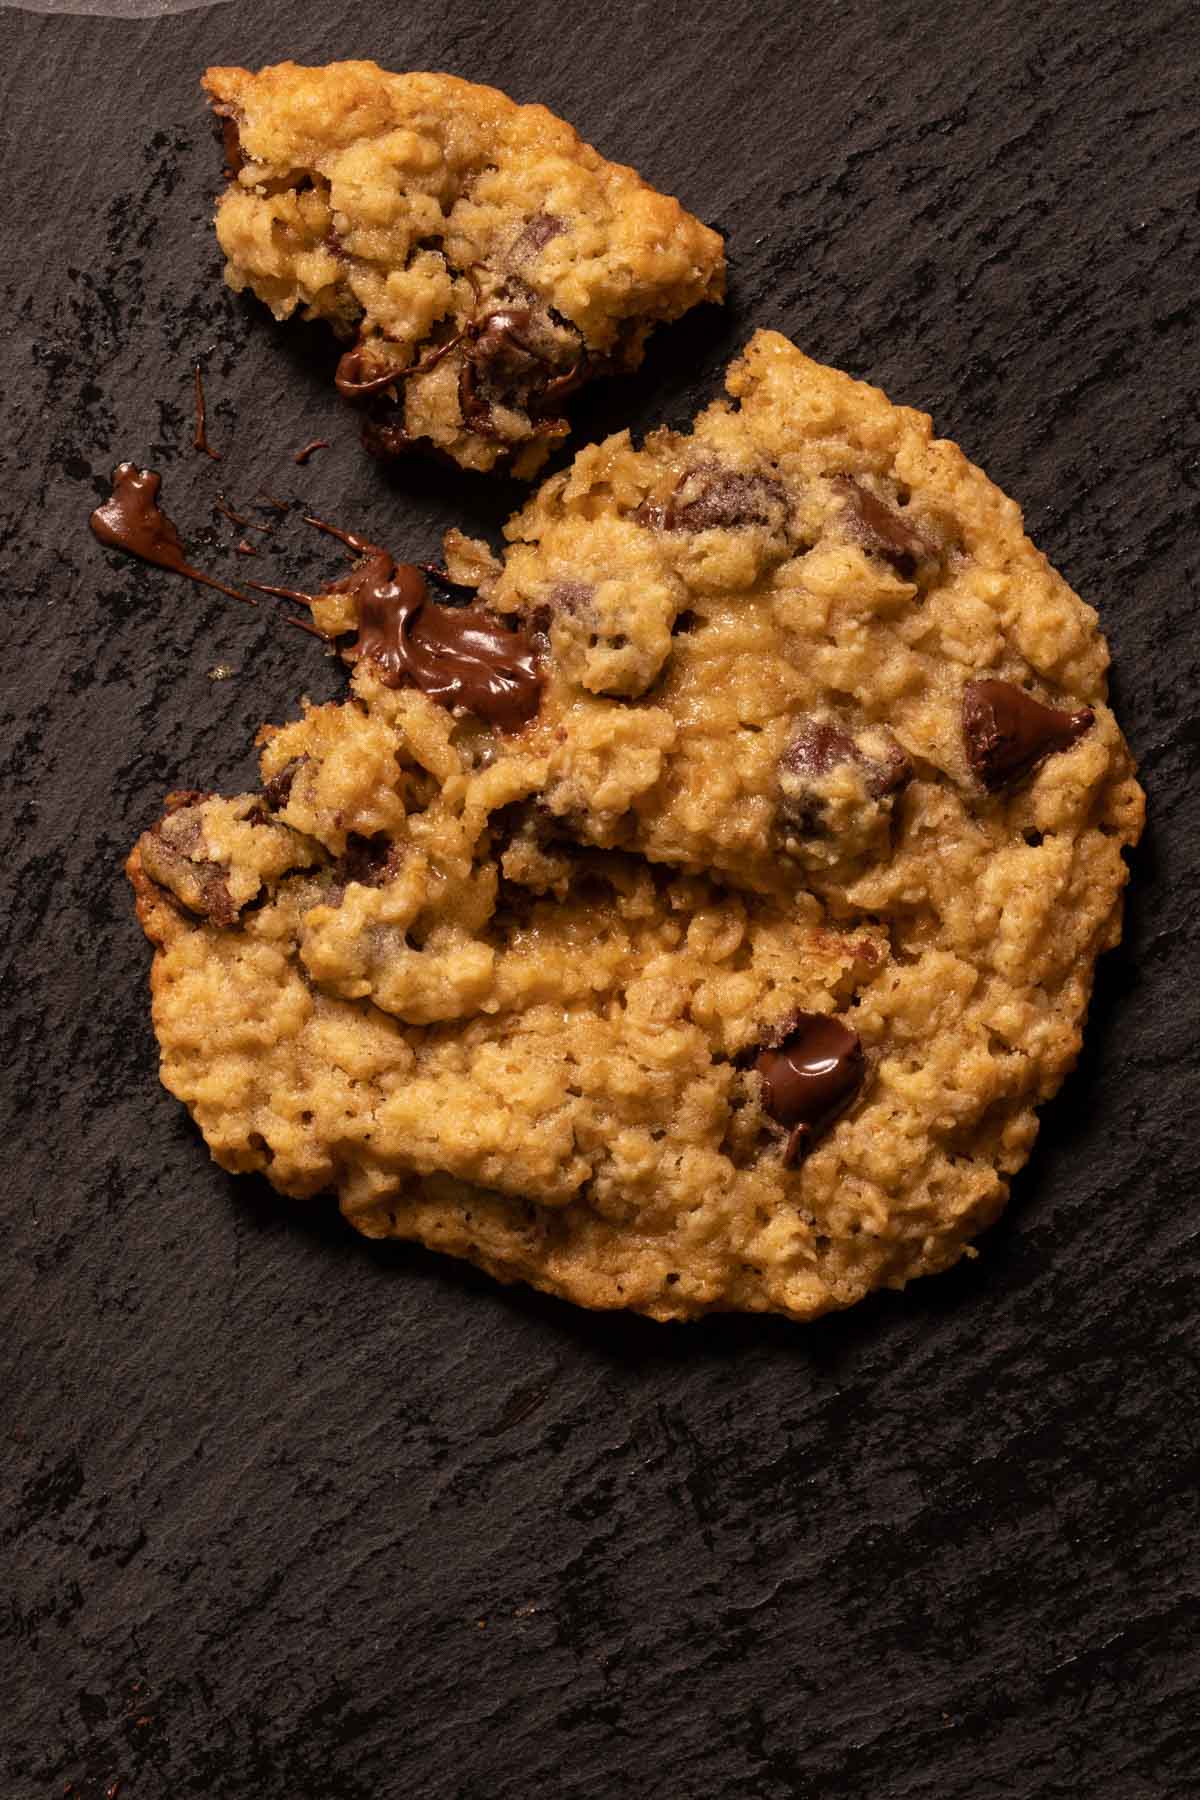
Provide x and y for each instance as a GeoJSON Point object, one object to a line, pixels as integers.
{"type": "Point", "coordinates": [485, 259]}
{"type": "Point", "coordinates": [733, 977]}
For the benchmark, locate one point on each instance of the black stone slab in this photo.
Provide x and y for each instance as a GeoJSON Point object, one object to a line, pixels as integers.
{"type": "Point", "coordinates": [290, 1515]}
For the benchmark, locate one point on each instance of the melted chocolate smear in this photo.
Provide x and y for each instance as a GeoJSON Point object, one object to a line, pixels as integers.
{"type": "Point", "coordinates": [1006, 732]}
{"type": "Point", "coordinates": [355, 385]}
{"type": "Point", "coordinates": [306, 450]}
{"type": "Point", "coordinates": [200, 436]}
{"type": "Point", "coordinates": [810, 1078]}
{"type": "Point", "coordinates": [132, 521]}
{"type": "Point", "coordinates": [458, 655]}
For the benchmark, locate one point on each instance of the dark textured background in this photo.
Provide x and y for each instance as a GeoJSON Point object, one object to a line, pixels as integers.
{"type": "Point", "coordinates": [293, 1516]}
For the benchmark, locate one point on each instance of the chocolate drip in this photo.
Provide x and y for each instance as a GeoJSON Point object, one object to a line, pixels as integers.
{"type": "Point", "coordinates": [810, 1078]}
{"type": "Point", "coordinates": [200, 435]}
{"type": "Point", "coordinates": [306, 450]}
{"type": "Point", "coordinates": [1007, 732]}
{"type": "Point", "coordinates": [132, 521]}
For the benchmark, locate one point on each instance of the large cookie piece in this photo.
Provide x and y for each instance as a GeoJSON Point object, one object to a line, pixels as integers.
{"type": "Point", "coordinates": [695, 921]}
{"type": "Point", "coordinates": [486, 260]}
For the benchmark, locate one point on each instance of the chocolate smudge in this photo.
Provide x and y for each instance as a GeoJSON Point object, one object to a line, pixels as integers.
{"type": "Point", "coordinates": [131, 520]}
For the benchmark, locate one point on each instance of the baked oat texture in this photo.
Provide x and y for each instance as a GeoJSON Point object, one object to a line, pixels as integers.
{"type": "Point", "coordinates": [503, 993]}
{"type": "Point", "coordinates": [484, 257]}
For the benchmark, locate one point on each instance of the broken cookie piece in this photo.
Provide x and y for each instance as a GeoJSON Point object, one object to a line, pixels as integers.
{"type": "Point", "coordinates": [216, 856]}
{"type": "Point", "coordinates": [484, 259]}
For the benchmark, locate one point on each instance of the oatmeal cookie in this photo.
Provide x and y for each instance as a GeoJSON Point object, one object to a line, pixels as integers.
{"type": "Point", "coordinates": [485, 260]}
{"type": "Point", "coordinates": [698, 917]}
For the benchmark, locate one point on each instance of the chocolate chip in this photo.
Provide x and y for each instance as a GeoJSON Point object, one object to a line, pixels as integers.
{"type": "Point", "coordinates": [574, 597]}
{"type": "Point", "coordinates": [168, 857]}
{"type": "Point", "coordinates": [277, 791]}
{"type": "Point", "coordinates": [816, 750]}
{"type": "Point", "coordinates": [810, 1078]}
{"type": "Point", "coordinates": [879, 529]}
{"type": "Point", "coordinates": [1006, 732]}
{"type": "Point", "coordinates": [541, 230]}
{"type": "Point", "coordinates": [370, 861]}
{"type": "Point", "coordinates": [708, 498]}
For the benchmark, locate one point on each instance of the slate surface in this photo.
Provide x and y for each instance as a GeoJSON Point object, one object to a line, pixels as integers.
{"type": "Point", "coordinates": [289, 1515]}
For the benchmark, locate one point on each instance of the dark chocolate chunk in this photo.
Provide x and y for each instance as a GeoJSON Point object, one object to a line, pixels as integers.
{"type": "Point", "coordinates": [1007, 732]}
{"type": "Point", "coordinates": [532, 239]}
{"type": "Point", "coordinates": [817, 748]}
{"type": "Point", "coordinates": [879, 529]}
{"type": "Point", "coordinates": [131, 520]}
{"type": "Point", "coordinates": [277, 791]}
{"type": "Point", "coordinates": [707, 498]}
{"type": "Point", "coordinates": [810, 1078]}
{"type": "Point", "coordinates": [170, 857]}
{"type": "Point", "coordinates": [370, 861]}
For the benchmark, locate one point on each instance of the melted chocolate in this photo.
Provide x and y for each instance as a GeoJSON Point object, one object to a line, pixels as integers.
{"type": "Point", "coordinates": [1007, 732]}
{"type": "Point", "coordinates": [458, 655]}
{"type": "Point", "coordinates": [810, 1078]}
{"type": "Point", "coordinates": [306, 450]}
{"type": "Point", "coordinates": [132, 521]}
{"type": "Point", "coordinates": [200, 435]}
{"type": "Point", "coordinates": [351, 381]}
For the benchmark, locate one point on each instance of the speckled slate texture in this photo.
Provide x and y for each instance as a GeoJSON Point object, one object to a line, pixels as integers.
{"type": "Point", "coordinates": [288, 1515]}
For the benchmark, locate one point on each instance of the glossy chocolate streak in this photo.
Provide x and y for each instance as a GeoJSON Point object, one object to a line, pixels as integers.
{"type": "Point", "coordinates": [458, 655]}
{"type": "Point", "coordinates": [306, 450]}
{"type": "Point", "coordinates": [1006, 732]}
{"type": "Point", "coordinates": [200, 436]}
{"type": "Point", "coordinates": [132, 521]}
{"type": "Point", "coordinates": [810, 1078]}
